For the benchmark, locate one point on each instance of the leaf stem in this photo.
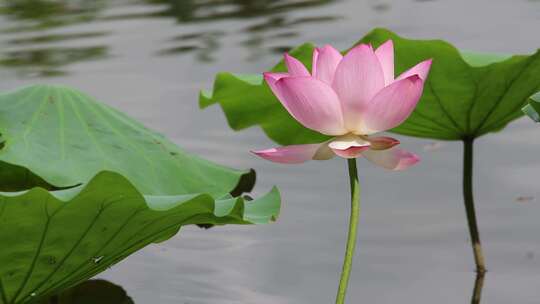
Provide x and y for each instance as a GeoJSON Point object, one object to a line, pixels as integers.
{"type": "Point", "coordinates": [469, 204]}
{"type": "Point", "coordinates": [353, 227]}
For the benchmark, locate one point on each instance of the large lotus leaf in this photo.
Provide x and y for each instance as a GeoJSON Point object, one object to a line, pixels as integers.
{"type": "Point", "coordinates": [466, 95]}
{"type": "Point", "coordinates": [532, 109]}
{"type": "Point", "coordinates": [53, 240]}
{"type": "Point", "coordinates": [84, 186]}
{"type": "Point", "coordinates": [66, 137]}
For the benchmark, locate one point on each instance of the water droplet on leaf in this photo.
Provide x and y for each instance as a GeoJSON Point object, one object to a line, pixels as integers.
{"type": "Point", "coordinates": [97, 260]}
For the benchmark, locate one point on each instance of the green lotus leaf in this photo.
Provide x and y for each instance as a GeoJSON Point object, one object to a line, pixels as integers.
{"type": "Point", "coordinates": [83, 186]}
{"type": "Point", "coordinates": [467, 94]}
{"type": "Point", "coordinates": [66, 137]}
{"type": "Point", "coordinates": [56, 239]}
{"type": "Point", "coordinates": [532, 109]}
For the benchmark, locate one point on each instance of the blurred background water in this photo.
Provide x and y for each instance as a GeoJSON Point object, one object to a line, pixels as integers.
{"type": "Point", "coordinates": [149, 58]}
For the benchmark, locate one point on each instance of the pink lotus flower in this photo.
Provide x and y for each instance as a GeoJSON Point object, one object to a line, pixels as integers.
{"type": "Point", "coordinates": [349, 97]}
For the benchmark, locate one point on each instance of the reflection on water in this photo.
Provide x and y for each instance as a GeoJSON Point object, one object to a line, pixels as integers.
{"type": "Point", "coordinates": [413, 246]}
{"type": "Point", "coordinates": [91, 292]}
{"type": "Point", "coordinates": [34, 15]}
{"type": "Point", "coordinates": [29, 25]}
{"type": "Point", "coordinates": [277, 28]}
{"type": "Point", "coordinates": [52, 23]}
{"type": "Point", "coordinates": [275, 13]}
{"type": "Point", "coordinates": [48, 62]}
{"type": "Point", "coordinates": [203, 44]}
{"type": "Point", "coordinates": [55, 38]}
{"type": "Point", "coordinates": [478, 286]}
{"type": "Point", "coordinates": [196, 11]}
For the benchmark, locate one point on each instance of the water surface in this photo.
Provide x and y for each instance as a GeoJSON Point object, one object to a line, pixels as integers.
{"type": "Point", "coordinates": [150, 58]}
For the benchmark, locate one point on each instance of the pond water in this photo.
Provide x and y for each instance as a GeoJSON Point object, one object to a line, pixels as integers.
{"type": "Point", "coordinates": [150, 58]}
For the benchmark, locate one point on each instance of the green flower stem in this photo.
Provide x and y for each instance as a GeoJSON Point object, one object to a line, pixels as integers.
{"type": "Point", "coordinates": [353, 227]}
{"type": "Point", "coordinates": [469, 205]}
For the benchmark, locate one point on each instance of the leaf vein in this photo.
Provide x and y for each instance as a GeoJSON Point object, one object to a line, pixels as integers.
{"type": "Point", "coordinates": [97, 253]}
{"type": "Point", "coordinates": [439, 101]}
{"type": "Point", "coordinates": [3, 292]}
{"type": "Point", "coordinates": [70, 252]}
{"type": "Point", "coordinates": [502, 96]}
{"type": "Point", "coordinates": [136, 148]}
{"type": "Point", "coordinates": [90, 135]}
{"type": "Point", "coordinates": [36, 255]}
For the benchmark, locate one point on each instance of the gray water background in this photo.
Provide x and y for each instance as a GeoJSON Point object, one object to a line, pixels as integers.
{"type": "Point", "coordinates": [150, 58]}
